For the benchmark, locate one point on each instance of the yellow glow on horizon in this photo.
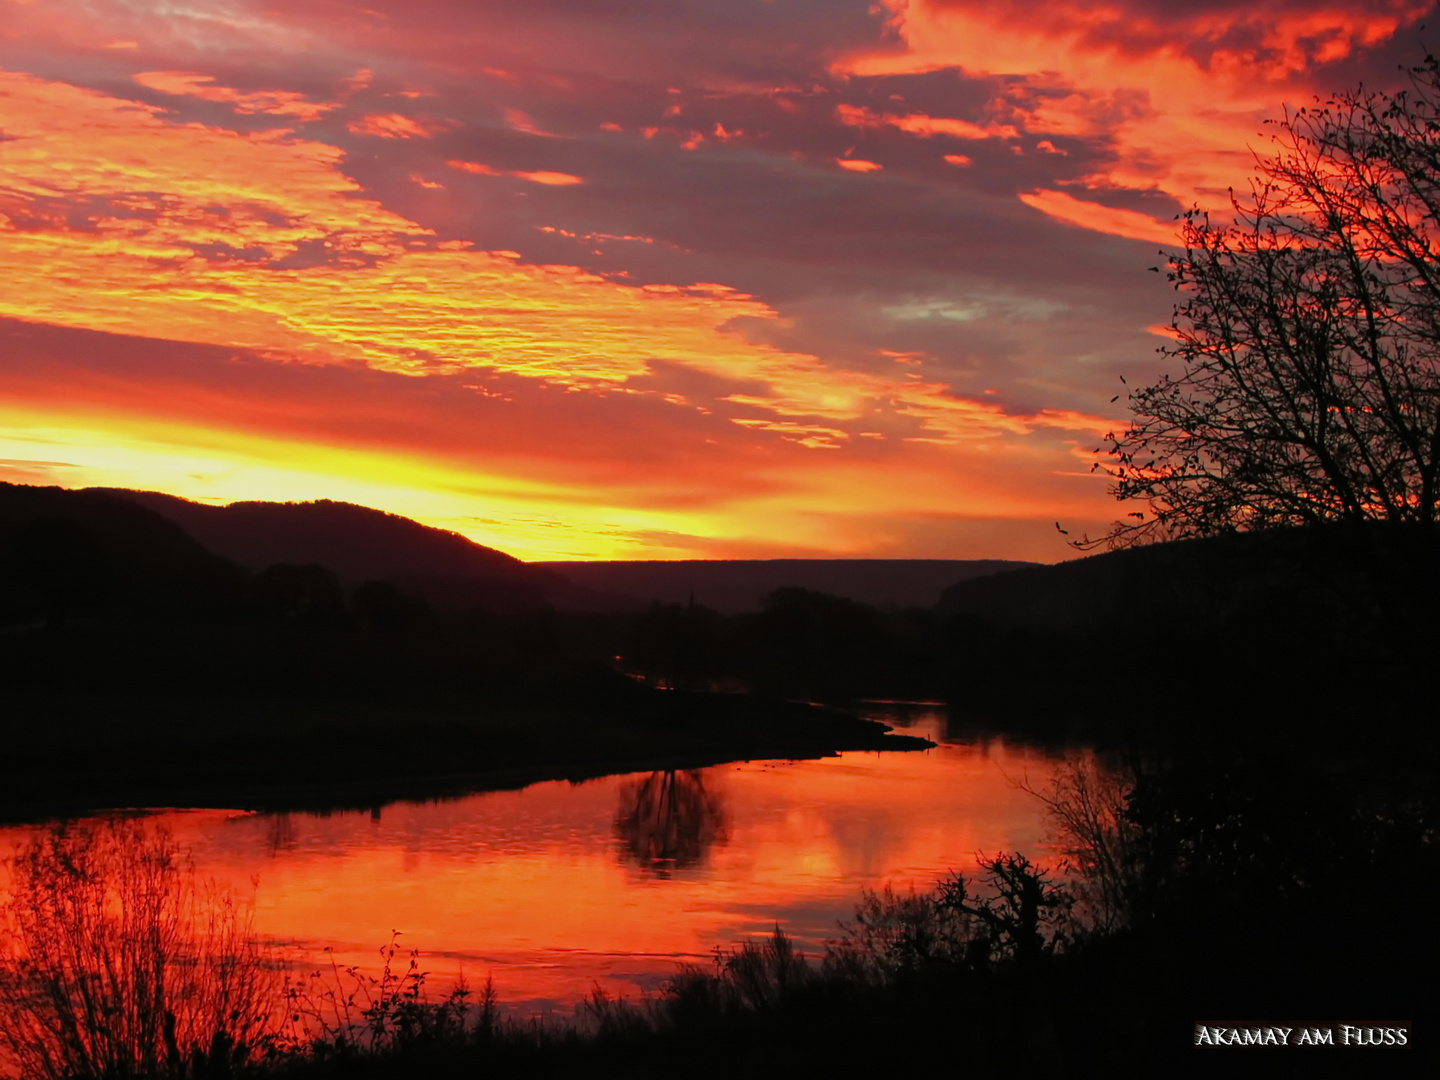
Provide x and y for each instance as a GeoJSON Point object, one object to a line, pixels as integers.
{"type": "Point", "coordinates": [530, 520]}
{"type": "Point", "coordinates": [847, 510]}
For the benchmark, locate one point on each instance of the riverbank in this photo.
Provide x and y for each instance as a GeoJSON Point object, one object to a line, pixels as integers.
{"type": "Point", "coordinates": [74, 754]}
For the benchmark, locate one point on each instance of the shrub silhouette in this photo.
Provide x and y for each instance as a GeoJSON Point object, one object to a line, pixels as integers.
{"type": "Point", "coordinates": [345, 1013]}
{"type": "Point", "coordinates": [117, 963]}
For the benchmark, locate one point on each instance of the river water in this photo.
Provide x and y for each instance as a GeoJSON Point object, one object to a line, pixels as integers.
{"type": "Point", "coordinates": [559, 887]}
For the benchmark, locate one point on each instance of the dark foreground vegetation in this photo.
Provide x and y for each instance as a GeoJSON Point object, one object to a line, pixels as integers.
{"type": "Point", "coordinates": [1262, 896]}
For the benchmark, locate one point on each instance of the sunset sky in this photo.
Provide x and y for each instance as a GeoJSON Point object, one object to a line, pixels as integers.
{"type": "Point", "coordinates": [624, 278]}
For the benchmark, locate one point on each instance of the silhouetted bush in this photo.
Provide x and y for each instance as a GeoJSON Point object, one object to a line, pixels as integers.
{"type": "Point", "coordinates": [345, 1013]}
{"type": "Point", "coordinates": [120, 964]}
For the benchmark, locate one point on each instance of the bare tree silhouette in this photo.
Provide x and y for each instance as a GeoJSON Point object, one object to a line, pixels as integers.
{"type": "Point", "coordinates": [1309, 335]}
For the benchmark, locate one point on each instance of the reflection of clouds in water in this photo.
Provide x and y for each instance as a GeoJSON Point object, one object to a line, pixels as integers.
{"type": "Point", "coordinates": [862, 845]}
{"type": "Point", "coordinates": [810, 922]}
{"type": "Point", "coordinates": [669, 821]}
{"type": "Point", "coordinates": [618, 880]}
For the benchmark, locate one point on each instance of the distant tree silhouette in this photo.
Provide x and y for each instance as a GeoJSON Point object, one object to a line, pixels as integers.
{"type": "Point", "coordinates": [383, 608]}
{"type": "Point", "coordinates": [674, 645]}
{"type": "Point", "coordinates": [812, 644]}
{"type": "Point", "coordinates": [307, 594]}
{"type": "Point", "coordinates": [1309, 335]}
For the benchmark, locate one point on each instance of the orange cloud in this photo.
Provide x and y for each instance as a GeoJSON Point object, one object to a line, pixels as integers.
{"type": "Point", "coordinates": [476, 168]}
{"type": "Point", "coordinates": [179, 204]}
{"type": "Point", "coordinates": [1070, 420]}
{"type": "Point", "coordinates": [924, 126]}
{"type": "Point", "coordinates": [520, 121]}
{"type": "Point", "coordinates": [395, 126]}
{"type": "Point", "coordinates": [550, 179]}
{"type": "Point", "coordinates": [166, 181]}
{"type": "Point", "coordinates": [115, 216]}
{"type": "Point", "coordinates": [809, 435]}
{"type": "Point", "coordinates": [273, 102]}
{"type": "Point", "coordinates": [1179, 100]}
{"type": "Point", "coordinates": [1105, 219]}
{"type": "Point", "coordinates": [858, 165]}
{"type": "Point", "coordinates": [597, 238]}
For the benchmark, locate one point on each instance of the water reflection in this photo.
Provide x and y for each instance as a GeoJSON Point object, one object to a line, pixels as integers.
{"type": "Point", "coordinates": [561, 886]}
{"type": "Point", "coordinates": [280, 834]}
{"type": "Point", "coordinates": [669, 821]}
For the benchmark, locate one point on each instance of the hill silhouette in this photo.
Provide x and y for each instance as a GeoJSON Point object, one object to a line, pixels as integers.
{"type": "Point", "coordinates": [72, 553]}
{"type": "Point", "coordinates": [359, 544]}
{"type": "Point", "coordinates": [1202, 584]}
{"type": "Point", "coordinates": [734, 586]}
{"type": "Point", "coordinates": [1271, 616]}
{"type": "Point", "coordinates": [140, 668]}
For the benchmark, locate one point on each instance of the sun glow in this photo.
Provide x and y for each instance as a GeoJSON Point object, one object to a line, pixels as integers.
{"type": "Point", "coordinates": [529, 519]}
{"type": "Point", "coordinates": [240, 264]}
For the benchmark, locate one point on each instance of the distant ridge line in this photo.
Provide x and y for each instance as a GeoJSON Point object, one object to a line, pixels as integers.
{"type": "Point", "coordinates": [735, 585]}
{"type": "Point", "coordinates": [451, 571]}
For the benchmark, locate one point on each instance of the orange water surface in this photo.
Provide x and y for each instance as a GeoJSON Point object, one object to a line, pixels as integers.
{"type": "Point", "coordinates": [559, 887]}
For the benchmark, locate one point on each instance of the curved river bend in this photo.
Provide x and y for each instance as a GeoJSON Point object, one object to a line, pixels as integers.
{"type": "Point", "coordinates": [560, 887]}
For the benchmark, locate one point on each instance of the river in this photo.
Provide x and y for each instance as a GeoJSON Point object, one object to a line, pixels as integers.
{"type": "Point", "coordinates": [559, 887]}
